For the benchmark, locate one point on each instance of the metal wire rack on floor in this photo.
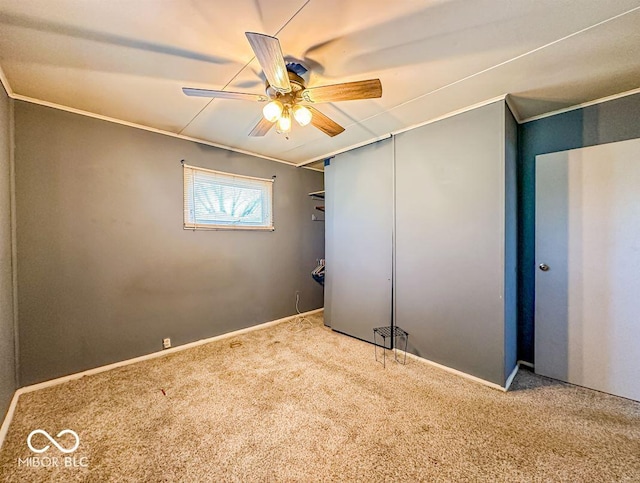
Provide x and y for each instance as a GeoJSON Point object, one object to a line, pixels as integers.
{"type": "Point", "coordinates": [392, 333]}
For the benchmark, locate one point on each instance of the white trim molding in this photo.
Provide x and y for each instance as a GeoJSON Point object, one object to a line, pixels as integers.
{"type": "Point", "coordinates": [303, 164]}
{"type": "Point", "coordinates": [404, 129]}
{"type": "Point", "coordinates": [476, 379]}
{"type": "Point", "coordinates": [4, 429]}
{"type": "Point", "coordinates": [526, 364]}
{"type": "Point", "coordinates": [114, 120]}
{"type": "Point", "coordinates": [5, 83]}
{"type": "Point", "coordinates": [581, 106]}
{"type": "Point", "coordinates": [511, 377]}
{"type": "Point", "coordinates": [507, 98]}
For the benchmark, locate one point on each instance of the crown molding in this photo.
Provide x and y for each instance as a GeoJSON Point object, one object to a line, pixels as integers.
{"type": "Point", "coordinates": [404, 129]}
{"type": "Point", "coordinates": [5, 83]}
{"type": "Point", "coordinates": [581, 106]}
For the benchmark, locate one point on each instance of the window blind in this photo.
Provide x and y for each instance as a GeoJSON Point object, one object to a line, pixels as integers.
{"type": "Point", "coordinates": [217, 200]}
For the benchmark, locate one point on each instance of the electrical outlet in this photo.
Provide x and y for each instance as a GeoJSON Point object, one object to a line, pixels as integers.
{"type": "Point", "coordinates": [166, 343]}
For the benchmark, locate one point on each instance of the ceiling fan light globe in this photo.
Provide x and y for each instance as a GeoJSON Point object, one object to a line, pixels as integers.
{"type": "Point", "coordinates": [272, 111]}
{"type": "Point", "coordinates": [284, 123]}
{"type": "Point", "coordinates": [302, 115]}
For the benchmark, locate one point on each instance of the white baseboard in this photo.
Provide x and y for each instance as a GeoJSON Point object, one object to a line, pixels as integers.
{"type": "Point", "coordinates": [511, 377]}
{"type": "Point", "coordinates": [96, 370]}
{"type": "Point", "coordinates": [479, 380]}
{"type": "Point", "coordinates": [4, 429]}
{"type": "Point", "coordinates": [526, 364]}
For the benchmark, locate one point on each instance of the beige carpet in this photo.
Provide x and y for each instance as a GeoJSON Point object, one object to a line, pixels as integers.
{"type": "Point", "coordinates": [313, 405]}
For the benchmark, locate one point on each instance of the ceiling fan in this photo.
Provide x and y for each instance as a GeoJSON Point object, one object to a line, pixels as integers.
{"type": "Point", "coordinates": [287, 95]}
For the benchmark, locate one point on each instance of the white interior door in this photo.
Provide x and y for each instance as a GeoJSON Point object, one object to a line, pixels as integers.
{"type": "Point", "coordinates": [587, 308]}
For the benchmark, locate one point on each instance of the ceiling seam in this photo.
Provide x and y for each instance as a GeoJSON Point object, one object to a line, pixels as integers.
{"type": "Point", "coordinates": [602, 22]}
{"type": "Point", "coordinates": [243, 68]}
{"type": "Point", "coordinates": [525, 54]}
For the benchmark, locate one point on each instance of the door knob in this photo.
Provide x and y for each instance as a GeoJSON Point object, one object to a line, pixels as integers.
{"type": "Point", "coordinates": [544, 267]}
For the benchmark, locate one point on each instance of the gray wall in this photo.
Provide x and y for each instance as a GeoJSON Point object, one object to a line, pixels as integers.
{"type": "Point", "coordinates": [511, 243]}
{"type": "Point", "coordinates": [612, 121]}
{"type": "Point", "coordinates": [105, 268]}
{"type": "Point", "coordinates": [450, 241]}
{"type": "Point", "coordinates": [7, 357]}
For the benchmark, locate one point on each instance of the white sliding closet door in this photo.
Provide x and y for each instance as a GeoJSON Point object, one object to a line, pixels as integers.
{"type": "Point", "coordinates": [587, 308]}
{"type": "Point", "coordinates": [358, 232]}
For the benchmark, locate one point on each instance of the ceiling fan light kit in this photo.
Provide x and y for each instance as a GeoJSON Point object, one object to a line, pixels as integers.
{"type": "Point", "coordinates": [284, 123]}
{"type": "Point", "coordinates": [272, 111]}
{"type": "Point", "coordinates": [302, 115]}
{"type": "Point", "coordinates": [286, 91]}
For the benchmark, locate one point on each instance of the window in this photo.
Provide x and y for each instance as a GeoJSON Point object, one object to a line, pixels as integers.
{"type": "Point", "coordinates": [215, 200]}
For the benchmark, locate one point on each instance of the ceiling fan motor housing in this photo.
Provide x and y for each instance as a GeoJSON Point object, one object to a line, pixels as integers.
{"type": "Point", "coordinates": [297, 85]}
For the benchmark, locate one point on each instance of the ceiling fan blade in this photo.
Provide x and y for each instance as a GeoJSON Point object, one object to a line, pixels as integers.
{"type": "Point", "coordinates": [261, 128]}
{"type": "Point", "coordinates": [324, 123]}
{"type": "Point", "coordinates": [269, 54]}
{"type": "Point", "coordinates": [241, 96]}
{"type": "Point", "coordinates": [367, 89]}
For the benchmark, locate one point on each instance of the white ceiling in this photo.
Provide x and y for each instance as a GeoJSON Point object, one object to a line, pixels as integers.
{"type": "Point", "coordinates": [129, 59]}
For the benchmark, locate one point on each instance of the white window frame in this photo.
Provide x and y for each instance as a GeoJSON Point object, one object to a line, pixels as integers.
{"type": "Point", "coordinates": [190, 222]}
